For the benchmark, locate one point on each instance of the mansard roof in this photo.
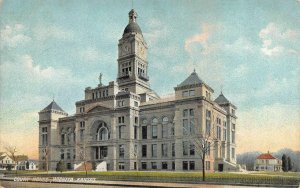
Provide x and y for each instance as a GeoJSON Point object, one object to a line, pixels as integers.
{"type": "Point", "coordinates": [221, 99]}
{"type": "Point", "coordinates": [53, 106]}
{"type": "Point", "coordinates": [191, 80]}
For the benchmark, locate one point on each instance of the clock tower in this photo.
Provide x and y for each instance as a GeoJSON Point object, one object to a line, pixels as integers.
{"type": "Point", "coordinates": [132, 58]}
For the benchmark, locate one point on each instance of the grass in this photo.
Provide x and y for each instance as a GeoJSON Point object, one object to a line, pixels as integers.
{"type": "Point", "coordinates": [290, 178]}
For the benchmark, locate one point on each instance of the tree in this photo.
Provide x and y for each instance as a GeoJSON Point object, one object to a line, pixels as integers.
{"type": "Point", "coordinates": [60, 166]}
{"type": "Point", "coordinates": [12, 150]}
{"type": "Point", "coordinates": [27, 164]}
{"type": "Point", "coordinates": [204, 142]}
{"type": "Point", "coordinates": [45, 157]}
{"type": "Point", "coordinates": [284, 163]}
{"type": "Point", "coordinates": [289, 164]}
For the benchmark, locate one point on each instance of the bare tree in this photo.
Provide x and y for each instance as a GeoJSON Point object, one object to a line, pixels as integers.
{"type": "Point", "coordinates": [204, 142]}
{"type": "Point", "coordinates": [11, 151]}
{"type": "Point", "coordinates": [46, 158]}
{"type": "Point", "coordinates": [83, 153]}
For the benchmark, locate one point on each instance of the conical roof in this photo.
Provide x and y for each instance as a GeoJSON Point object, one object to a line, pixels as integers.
{"type": "Point", "coordinates": [221, 99]}
{"type": "Point", "coordinates": [53, 106]}
{"type": "Point", "coordinates": [191, 80]}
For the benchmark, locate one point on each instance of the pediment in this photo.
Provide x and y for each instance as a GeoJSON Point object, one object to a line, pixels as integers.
{"type": "Point", "coordinates": [98, 109]}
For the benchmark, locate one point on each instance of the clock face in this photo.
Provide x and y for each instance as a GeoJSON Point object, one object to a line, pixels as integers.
{"type": "Point", "coordinates": [126, 49]}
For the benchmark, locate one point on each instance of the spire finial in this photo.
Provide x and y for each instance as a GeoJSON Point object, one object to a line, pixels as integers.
{"type": "Point", "coordinates": [53, 96]}
{"type": "Point", "coordinates": [132, 16]}
{"type": "Point", "coordinates": [100, 79]}
{"type": "Point", "coordinates": [194, 70]}
{"type": "Point", "coordinates": [222, 89]}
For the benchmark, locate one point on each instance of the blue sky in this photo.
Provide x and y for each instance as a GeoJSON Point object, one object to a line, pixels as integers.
{"type": "Point", "coordinates": [251, 49]}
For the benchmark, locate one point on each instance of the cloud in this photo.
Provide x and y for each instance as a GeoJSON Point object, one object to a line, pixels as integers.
{"type": "Point", "coordinates": [241, 45]}
{"type": "Point", "coordinates": [277, 40]}
{"type": "Point", "coordinates": [200, 39]}
{"type": "Point", "coordinates": [13, 36]}
{"type": "Point", "coordinates": [43, 33]}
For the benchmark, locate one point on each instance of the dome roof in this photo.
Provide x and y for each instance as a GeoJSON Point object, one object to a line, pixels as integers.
{"type": "Point", "coordinates": [132, 27]}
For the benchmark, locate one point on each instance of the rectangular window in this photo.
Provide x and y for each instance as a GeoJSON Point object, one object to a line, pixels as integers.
{"type": "Point", "coordinates": [192, 165]}
{"type": "Point", "coordinates": [62, 139]}
{"type": "Point", "coordinates": [208, 127]}
{"type": "Point", "coordinates": [144, 132]}
{"type": "Point", "coordinates": [207, 165]}
{"type": "Point", "coordinates": [185, 127]}
{"type": "Point", "coordinates": [192, 92]}
{"type": "Point", "coordinates": [144, 165]}
{"type": "Point", "coordinates": [144, 150]}
{"type": "Point", "coordinates": [136, 120]}
{"type": "Point", "coordinates": [185, 147]}
{"type": "Point", "coordinates": [62, 154]}
{"type": "Point", "coordinates": [122, 132]}
{"type": "Point", "coordinates": [154, 131]}
{"type": "Point", "coordinates": [103, 152]}
{"type": "Point", "coordinates": [121, 119]}
{"type": "Point", "coordinates": [185, 93]}
{"type": "Point", "coordinates": [121, 151]}
{"type": "Point", "coordinates": [44, 139]}
{"type": "Point", "coordinates": [81, 134]}
{"type": "Point", "coordinates": [208, 149]}
{"type": "Point", "coordinates": [154, 150]}
{"type": "Point", "coordinates": [135, 132]}
{"type": "Point", "coordinates": [68, 154]}
{"type": "Point", "coordinates": [173, 165]}
{"type": "Point", "coordinates": [185, 113]}
{"type": "Point", "coordinates": [192, 149]}
{"type": "Point", "coordinates": [218, 132]}
{"type": "Point", "coordinates": [74, 153]}
{"type": "Point", "coordinates": [153, 165]}
{"type": "Point", "coordinates": [233, 136]}
{"type": "Point", "coordinates": [224, 135]}
{"type": "Point", "coordinates": [192, 112]}
{"type": "Point", "coordinates": [192, 126]}
{"type": "Point", "coordinates": [233, 153]}
{"type": "Point", "coordinates": [185, 165]}
{"type": "Point", "coordinates": [136, 104]}
{"type": "Point", "coordinates": [173, 149]}
{"type": "Point", "coordinates": [164, 130]}
{"type": "Point", "coordinates": [164, 165]}
{"type": "Point", "coordinates": [164, 150]}
{"type": "Point", "coordinates": [121, 166]}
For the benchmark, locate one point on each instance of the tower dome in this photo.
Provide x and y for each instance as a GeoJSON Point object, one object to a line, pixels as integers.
{"type": "Point", "coordinates": [132, 26]}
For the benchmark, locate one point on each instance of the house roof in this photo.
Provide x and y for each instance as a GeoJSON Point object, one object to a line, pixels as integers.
{"type": "Point", "coordinates": [191, 80]}
{"type": "Point", "coordinates": [265, 156]}
{"type": "Point", "coordinates": [53, 106]}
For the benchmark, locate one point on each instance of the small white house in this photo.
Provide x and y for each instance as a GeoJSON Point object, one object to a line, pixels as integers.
{"type": "Point", "coordinates": [27, 165]}
{"type": "Point", "coordinates": [267, 162]}
{"type": "Point", "coordinates": [6, 162]}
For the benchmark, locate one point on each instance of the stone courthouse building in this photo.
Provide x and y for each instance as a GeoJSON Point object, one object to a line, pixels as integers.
{"type": "Point", "coordinates": [125, 125]}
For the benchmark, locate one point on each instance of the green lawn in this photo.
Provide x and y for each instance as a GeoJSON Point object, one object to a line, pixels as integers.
{"type": "Point", "coordinates": [290, 178]}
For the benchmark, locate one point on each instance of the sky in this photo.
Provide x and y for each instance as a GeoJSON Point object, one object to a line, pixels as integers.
{"type": "Point", "coordinates": [248, 49]}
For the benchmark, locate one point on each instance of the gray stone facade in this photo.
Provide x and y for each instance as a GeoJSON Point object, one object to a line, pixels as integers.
{"type": "Point", "coordinates": [127, 125]}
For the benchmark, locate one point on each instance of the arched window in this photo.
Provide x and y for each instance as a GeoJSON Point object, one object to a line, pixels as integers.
{"type": "Point", "coordinates": [165, 119]}
{"type": "Point", "coordinates": [154, 121]}
{"type": "Point", "coordinates": [102, 132]}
